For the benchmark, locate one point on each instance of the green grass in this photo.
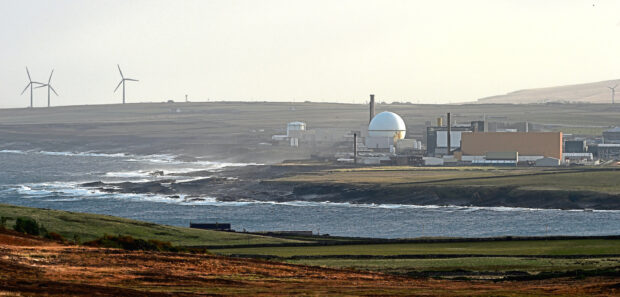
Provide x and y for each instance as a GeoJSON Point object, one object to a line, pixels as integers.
{"type": "Point", "coordinates": [534, 247]}
{"type": "Point", "coordinates": [482, 264]}
{"type": "Point", "coordinates": [565, 179]}
{"type": "Point", "coordinates": [589, 180]}
{"type": "Point", "coordinates": [92, 226]}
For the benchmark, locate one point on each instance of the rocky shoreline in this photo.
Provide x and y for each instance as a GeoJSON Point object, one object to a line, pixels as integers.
{"type": "Point", "coordinates": [256, 183]}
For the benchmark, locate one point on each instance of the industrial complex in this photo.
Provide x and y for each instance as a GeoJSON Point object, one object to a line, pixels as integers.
{"type": "Point", "coordinates": [386, 141]}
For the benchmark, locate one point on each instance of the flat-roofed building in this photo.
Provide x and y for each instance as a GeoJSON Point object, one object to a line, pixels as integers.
{"type": "Point", "coordinates": [546, 144]}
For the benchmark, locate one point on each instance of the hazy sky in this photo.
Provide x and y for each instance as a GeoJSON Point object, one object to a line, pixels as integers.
{"type": "Point", "coordinates": [418, 51]}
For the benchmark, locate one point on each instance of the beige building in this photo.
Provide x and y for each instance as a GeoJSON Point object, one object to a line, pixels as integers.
{"type": "Point", "coordinates": [547, 144]}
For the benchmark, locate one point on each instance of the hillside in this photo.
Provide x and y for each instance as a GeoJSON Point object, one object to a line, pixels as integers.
{"type": "Point", "coordinates": [32, 266]}
{"type": "Point", "coordinates": [87, 227]}
{"type": "Point", "coordinates": [596, 92]}
{"type": "Point", "coordinates": [234, 131]}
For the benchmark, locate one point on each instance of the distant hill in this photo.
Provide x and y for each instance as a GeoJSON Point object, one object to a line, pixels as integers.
{"type": "Point", "coordinates": [597, 92]}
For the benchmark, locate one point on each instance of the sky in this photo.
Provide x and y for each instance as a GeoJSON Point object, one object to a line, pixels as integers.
{"type": "Point", "coordinates": [331, 51]}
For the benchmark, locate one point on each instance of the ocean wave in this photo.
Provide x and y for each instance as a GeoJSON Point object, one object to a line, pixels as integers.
{"type": "Point", "coordinates": [167, 159]}
{"type": "Point", "coordinates": [13, 152]}
{"type": "Point", "coordinates": [67, 190]}
{"type": "Point", "coordinates": [60, 191]}
{"type": "Point", "coordinates": [129, 174]}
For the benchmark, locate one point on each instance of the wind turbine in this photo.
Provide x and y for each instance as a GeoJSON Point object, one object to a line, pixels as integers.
{"type": "Point", "coordinates": [30, 84]}
{"type": "Point", "coordinates": [123, 79]}
{"type": "Point", "coordinates": [49, 87]}
{"type": "Point", "coordinates": [613, 93]}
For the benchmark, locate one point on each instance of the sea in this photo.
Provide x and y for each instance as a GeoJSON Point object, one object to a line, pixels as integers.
{"type": "Point", "coordinates": [47, 179]}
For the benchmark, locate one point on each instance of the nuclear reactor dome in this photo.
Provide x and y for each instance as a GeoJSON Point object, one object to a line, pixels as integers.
{"type": "Point", "coordinates": [387, 124]}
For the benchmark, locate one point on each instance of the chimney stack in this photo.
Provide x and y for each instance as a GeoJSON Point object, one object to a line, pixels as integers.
{"type": "Point", "coordinates": [354, 148]}
{"type": "Point", "coordinates": [449, 131]}
{"type": "Point", "coordinates": [372, 107]}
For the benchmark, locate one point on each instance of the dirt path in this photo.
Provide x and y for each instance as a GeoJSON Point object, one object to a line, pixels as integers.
{"type": "Point", "coordinates": [33, 267]}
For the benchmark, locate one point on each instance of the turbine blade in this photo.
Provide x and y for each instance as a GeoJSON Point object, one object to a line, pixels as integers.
{"type": "Point", "coordinates": [28, 72]}
{"type": "Point", "coordinates": [615, 86]}
{"type": "Point", "coordinates": [50, 79]}
{"type": "Point", "coordinates": [26, 88]}
{"type": "Point", "coordinates": [119, 84]}
{"type": "Point", "coordinates": [53, 90]}
{"type": "Point", "coordinates": [131, 79]}
{"type": "Point", "coordinates": [41, 86]}
{"type": "Point", "coordinates": [119, 70]}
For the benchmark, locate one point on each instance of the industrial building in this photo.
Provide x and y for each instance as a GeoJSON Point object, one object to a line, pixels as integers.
{"type": "Point", "coordinates": [608, 151]}
{"type": "Point", "coordinates": [612, 136]}
{"type": "Point", "coordinates": [383, 142]}
{"type": "Point", "coordinates": [534, 144]}
{"type": "Point", "coordinates": [297, 134]}
{"type": "Point", "coordinates": [437, 136]}
{"type": "Point", "coordinates": [575, 146]}
{"type": "Point", "coordinates": [384, 130]}
{"type": "Point", "coordinates": [547, 162]}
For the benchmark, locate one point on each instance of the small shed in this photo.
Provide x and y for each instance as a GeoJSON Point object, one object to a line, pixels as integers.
{"type": "Point", "coordinates": [211, 226]}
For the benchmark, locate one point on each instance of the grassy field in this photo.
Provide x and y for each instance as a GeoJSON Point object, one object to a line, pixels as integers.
{"type": "Point", "coordinates": [583, 179]}
{"type": "Point", "coordinates": [534, 247]}
{"type": "Point", "coordinates": [482, 264]}
{"type": "Point", "coordinates": [91, 226]}
{"type": "Point", "coordinates": [505, 257]}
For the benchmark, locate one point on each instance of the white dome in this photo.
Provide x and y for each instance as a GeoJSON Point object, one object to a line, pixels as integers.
{"type": "Point", "coordinates": [387, 124]}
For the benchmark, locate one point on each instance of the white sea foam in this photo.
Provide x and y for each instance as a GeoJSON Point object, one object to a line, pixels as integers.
{"type": "Point", "coordinates": [64, 191]}
{"type": "Point", "coordinates": [128, 174]}
{"type": "Point", "coordinates": [80, 154]}
{"type": "Point", "coordinates": [12, 152]}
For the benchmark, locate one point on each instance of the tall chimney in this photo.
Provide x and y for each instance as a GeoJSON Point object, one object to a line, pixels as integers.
{"type": "Point", "coordinates": [449, 131]}
{"type": "Point", "coordinates": [355, 148]}
{"type": "Point", "coordinates": [372, 107]}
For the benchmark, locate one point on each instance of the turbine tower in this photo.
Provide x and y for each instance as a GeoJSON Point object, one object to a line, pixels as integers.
{"type": "Point", "coordinates": [49, 87]}
{"type": "Point", "coordinates": [30, 84]}
{"type": "Point", "coordinates": [123, 79]}
{"type": "Point", "coordinates": [613, 94]}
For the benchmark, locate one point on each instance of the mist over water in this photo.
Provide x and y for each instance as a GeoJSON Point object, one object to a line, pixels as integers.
{"type": "Point", "coordinates": [51, 180]}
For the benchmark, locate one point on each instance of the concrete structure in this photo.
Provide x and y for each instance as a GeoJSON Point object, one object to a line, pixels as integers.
{"type": "Point", "coordinates": [575, 146]}
{"type": "Point", "coordinates": [295, 126]}
{"type": "Point", "coordinates": [387, 124]}
{"type": "Point", "coordinates": [437, 137]}
{"type": "Point", "coordinates": [608, 151]}
{"type": "Point", "coordinates": [508, 127]}
{"type": "Point", "coordinates": [512, 156]}
{"type": "Point", "coordinates": [547, 162]}
{"type": "Point", "coordinates": [372, 108]}
{"type": "Point", "coordinates": [405, 145]}
{"type": "Point", "coordinates": [612, 136]}
{"type": "Point", "coordinates": [432, 161]}
{"type": "Point", "coordinates": [577, 158]}
{"type": "Point", "coordinates": [442, 140]}
{"type": "Point", "coordinates": [494, 162]}
{"type": "Point", "coordinates": [381, 143]}
{"type": "Point", "coordinates": [547, 144]}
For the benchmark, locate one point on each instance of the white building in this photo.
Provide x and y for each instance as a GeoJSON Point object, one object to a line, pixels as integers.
{"type": "Point", "coordinates": [384, 130]}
